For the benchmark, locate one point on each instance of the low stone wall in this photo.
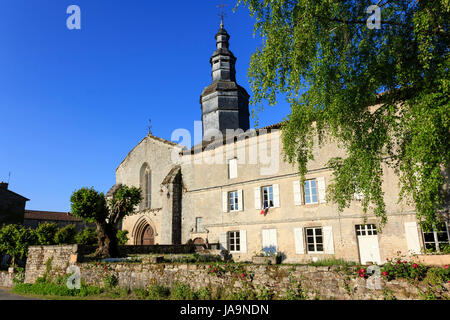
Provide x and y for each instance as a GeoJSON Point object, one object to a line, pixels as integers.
{"type": "Point", "coordinates": [42, 259]}
{"type": "Point", "coordinates": [7, 279]}
{"type": "Point", "coordinates": [316, 282]}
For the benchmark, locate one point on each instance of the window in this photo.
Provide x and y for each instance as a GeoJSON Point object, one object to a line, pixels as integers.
{"type": "Point", "coordinates": [438, 239]}
{"type": "Point", "coordinates": [233, 198]}
{"type": "Point", "coordinates": [314, 239]}
{"type": "Point", "coordinates": [267, 193]}
{"type": "Point", "coordinates": [234, 241]}
{"type": "Point", "coordinates": [311, 191]}
{"type": "Point", "coordinates": [146, 185]}
{"type": "Point", "coordinates": [366, 230]}
{"type": "Point", "coordinates": [232, 168]}
{"type": "Point", "coordinates": [198, 224]}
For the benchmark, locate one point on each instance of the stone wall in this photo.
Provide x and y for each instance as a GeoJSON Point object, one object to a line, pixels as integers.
{"type": "Point", "coordinates": [41, 258]}
{"type": "Point", "coordinates": [6, 279]}
{"type": "Point", "coordinates": [316, 282]}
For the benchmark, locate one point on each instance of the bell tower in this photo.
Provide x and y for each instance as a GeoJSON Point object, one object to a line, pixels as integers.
{"type": "Point", "coordinates": [224, 103]}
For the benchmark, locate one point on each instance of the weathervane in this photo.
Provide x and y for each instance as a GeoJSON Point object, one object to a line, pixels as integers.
{"type": "Point", "coordinates": [221, 15]}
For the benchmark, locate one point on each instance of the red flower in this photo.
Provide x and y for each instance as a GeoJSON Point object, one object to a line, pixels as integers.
{"type": "Point", "coordinates": [415, 265]}
{"type": "Point", "coordinates": [362, 270]}
{"type": "Point", "coordinates": [210, 266]}
{"type": "Point", "coordinates": [385, 273]}
{"type": "Point", "coordinates": [405, 261]}
{"type": "Point", "coordinates": [243, 275]}
{"type": "Point", "coordinates": [212, 271]}
{"type": "Point", "coordinates": [399, 262]}
{"type": "Point", "coordinates": [446, 266]}
{"type": "Point", "coordinates": [361, 275]}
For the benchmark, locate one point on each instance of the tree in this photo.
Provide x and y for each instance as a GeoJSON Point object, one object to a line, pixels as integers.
{"type": "Point", "coordinates": [66, 235]}
{"type": "Point", "coordinates": [331, 67]}
{"type": "Point", "coordinates": [92, 206]}
{"type": "Point", "coordinates": [15, 240]}
{"type": "Point", "coordinates": [46, 233]}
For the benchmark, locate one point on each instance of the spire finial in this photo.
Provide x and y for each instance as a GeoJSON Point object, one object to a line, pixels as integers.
{"type": "Point", "coordinates": [221, 15]}
{"type": "Point", "coordinates": [150, 126]}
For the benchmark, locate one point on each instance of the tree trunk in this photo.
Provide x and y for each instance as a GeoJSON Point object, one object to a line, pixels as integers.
{"type": "Point", "coordinates": [108, 246]}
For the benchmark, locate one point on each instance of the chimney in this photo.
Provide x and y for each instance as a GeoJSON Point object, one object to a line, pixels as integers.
{"type": "Point", "coordinates": [3, 185]}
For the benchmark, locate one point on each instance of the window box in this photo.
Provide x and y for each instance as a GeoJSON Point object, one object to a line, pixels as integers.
{"type": "Point", "coordinates": [265, 260]}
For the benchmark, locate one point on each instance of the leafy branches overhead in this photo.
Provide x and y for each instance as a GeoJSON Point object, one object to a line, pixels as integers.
{"type": "Point", "coordinates": [380, 94]}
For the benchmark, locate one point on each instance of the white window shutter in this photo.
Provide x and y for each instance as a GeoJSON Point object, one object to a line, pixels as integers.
{"type": "Point", "coordinates": [328, 240]}
{"type": "Point", "coordinates": [232, 167]}
{"type": "Point", "coordinates": [412, 237]}
{"type": "Point", "coordinates": [225, 201]}
{"type": "Point", "coordinates": [299, 244]}
{"type": "Point", "coordinates": [257, 198]}
{"type": "Point", "coordinates": [240, 200]}
{"type": "Point", "coordinates": [321, 189]}
{"type": "Point", "coordinates": [276, 195]}
{"type": "Point", "coordinates": [297, 192]}
{"type": "Point", "coordinates": [243, 240]}
{"type": "Point", "coordinates": [223, 241]}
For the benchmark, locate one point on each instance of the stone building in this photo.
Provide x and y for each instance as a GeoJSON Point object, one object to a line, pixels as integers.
{"type": "Point", "coordinates": [12, 206]}
{"type": "Point", "coordinates": [239, 192]}
{"type": "Point", "coordinates": [33, 218]}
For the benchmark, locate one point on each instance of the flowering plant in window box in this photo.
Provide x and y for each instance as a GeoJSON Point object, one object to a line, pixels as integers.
{"type": "Point", "coordinates": [267, 255]}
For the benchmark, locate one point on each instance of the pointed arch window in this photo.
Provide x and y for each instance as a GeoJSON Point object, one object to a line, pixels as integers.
{"type": "Point", "coordinates": [146, 185]}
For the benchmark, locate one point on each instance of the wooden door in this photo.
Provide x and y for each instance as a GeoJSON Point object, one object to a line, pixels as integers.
{"type": "Point", "coordinates": [148, 237]}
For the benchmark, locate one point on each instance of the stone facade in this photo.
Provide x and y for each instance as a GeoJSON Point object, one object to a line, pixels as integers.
{"type": "Point", "coordinates": [192, 187]}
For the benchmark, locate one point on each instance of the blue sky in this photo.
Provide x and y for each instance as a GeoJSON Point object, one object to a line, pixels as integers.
{"type": "Point", "coordinates": [73, 103]}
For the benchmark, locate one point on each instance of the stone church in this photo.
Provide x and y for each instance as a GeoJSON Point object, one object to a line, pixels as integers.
{"type": "Point", "coordinates": [240, 193]}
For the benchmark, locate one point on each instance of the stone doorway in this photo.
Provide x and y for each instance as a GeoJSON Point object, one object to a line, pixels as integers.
{"type": "Point", "coordinates": [148, 236]}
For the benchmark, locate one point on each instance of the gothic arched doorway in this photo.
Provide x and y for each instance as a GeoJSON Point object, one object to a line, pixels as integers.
{"type": "Point", "coordinates": [147, 236]}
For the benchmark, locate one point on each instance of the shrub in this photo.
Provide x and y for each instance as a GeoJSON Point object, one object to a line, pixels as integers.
{"type": "Point", "coordinates": [182, 292]}
{"type": "Point", "coordinates": [66, 235]}
{"type": "Point", "coordinates": [204, 294]}
{"type": "Point", "coordinates": [46, 233]}
{"type": "Point", "coordinates": [122, 237]}
{"type": "Point", "coordinates": [110, 281]}
{"type": "Point", "coordinates": [157, 292]}
{"type": "Point", "coordinates": [88, 236]}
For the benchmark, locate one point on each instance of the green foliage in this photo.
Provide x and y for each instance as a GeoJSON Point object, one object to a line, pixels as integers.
{"type": "Point", "coordinates": [46, 233]}
{"type": "Point", "coordinates": [332, 262]}
{"type": "Point", "coordinates": [110, 281]}
{"type": "Point", "coordinates": [66, 235]}
{"type": "Point", "coordinates": [87, 236]}
{"type": "Point", "coordinates": [46, 288]}
{"type": "Point", "coordinates": [322, 56]}
{"type": "Point", "coordinates": [15, 239]}
{"type": "Point", "coordinates": [400, 268]}
{"type": "Point", "coordinates": [157, 292]}
{"type": "Point", "coordinates": [89, 205]}
{"type": "Point", "coordinates": [295, 290]}
{"type": "Point", "coordinates": [122, 237]}
{"type": "Point", "coordinates": [180, 291]}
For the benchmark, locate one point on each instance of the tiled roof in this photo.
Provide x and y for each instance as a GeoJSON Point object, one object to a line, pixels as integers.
{"type": "Point", "coordinates": [50, 215]}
